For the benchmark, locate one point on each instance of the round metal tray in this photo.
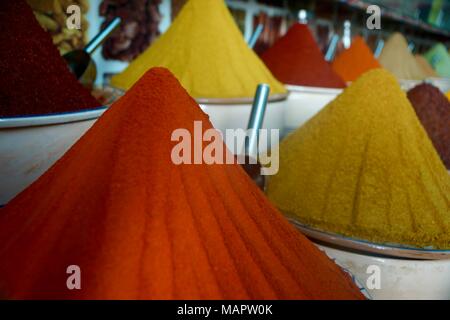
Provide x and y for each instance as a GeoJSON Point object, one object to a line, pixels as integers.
{"type": "Point", "coordinates": [249, 100]}
{"type": "Point", "coordinates": [388, 249]}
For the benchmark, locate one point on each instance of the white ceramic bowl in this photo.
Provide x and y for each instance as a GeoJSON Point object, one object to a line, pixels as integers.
{"type": "Point", "coordinates": [30, 145]}
{"type": "Point", "coordinates": [442, 84]}
{"type": "Point", "coordinates": [234, 113]}
{"type": "Point", "coordinates": [407, 85]}
{"type": "Point", "coordinates": [399, 278]}
{"type": "Point", "coordinates": [304, 102]}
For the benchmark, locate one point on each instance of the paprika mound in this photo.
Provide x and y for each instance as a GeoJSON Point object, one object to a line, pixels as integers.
{"type": "Point", "coordinates": [296, 59]}
{"type": "Point", "coordinates": [34, 78]}
{"type": "Point", "coordinates": [141, 227]}
{"type": "Point", "coordinates": [433, 110]}
{"type": "Point", "coordinates": [356, 60]}
{"type": "Point", "coordinates": [364, 167]}
{"type": "Point", "coordinates": [206, 51]}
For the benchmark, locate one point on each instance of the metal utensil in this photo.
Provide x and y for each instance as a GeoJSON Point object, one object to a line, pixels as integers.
{"type": "Point", "coordinates": [255, 36]}
{"type": "Point", "coordinates": [347, 36]}
{"type": "Point", "coordinates": [378, 48]}
{"type": "Point", "coordinates": [331, 51]}
{"type": "Point", "coordinates": [303, 16]}
{"type": "Point", "coordinates": [251, 166]}
{"type": "Point", "coordinates": [80, 60]}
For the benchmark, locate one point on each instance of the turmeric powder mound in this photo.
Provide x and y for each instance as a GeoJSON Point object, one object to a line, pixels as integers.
{"type": "Point", "coordinates": [354, 61]}
{"type": "Point", "coordinates": [364, 167]}
{"type": "Point", "coordinates": [141, 227]}
{"type": "Point", "coordinates": [207, 53]}
{"type": "Point", "coordinates": [397, 58]}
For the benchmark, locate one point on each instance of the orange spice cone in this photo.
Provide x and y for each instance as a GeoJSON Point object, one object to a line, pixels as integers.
{"type": "Point", "coordinates": [355, 61]}
{"type": "Point", "coordinates": [140, 227]}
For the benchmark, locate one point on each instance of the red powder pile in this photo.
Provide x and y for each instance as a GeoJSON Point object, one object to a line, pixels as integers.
{"type": "Point", "coordinates": [296, 59]}
{"type": "Point", "coordinates": [141, 227]}
{"type": "Point", "coordinates": [433, 109]}
{"type": "Point", "coordinates": [34, 78]}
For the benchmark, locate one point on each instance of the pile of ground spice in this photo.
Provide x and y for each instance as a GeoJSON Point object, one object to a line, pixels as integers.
{"type": "Point", "coordinates": [296, 59]}
{"type": "Point", "coordinates": [426, 67]}
{"type": "Point", "coordinates": [439, 58]}
{"type": "Point", "coordinates": [34, 78]}
{"type": "Point", "coordinates": [353, 62]}
{"type": "Point", "coordinates": [141, 227]}
{"type": "Point", "coordinates": [398, 59]}
{"type": "Point", "coordinates": [433, 109]}
{"type": "Point", "coordinates": [206, 51]}
{"type": "Point", "coordinates": [364, 167]}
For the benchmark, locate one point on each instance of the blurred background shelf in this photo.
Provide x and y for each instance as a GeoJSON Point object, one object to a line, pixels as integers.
{"type": "Point", "coordinates": [423, 23]}
{"type": "Point", "coordinates": [428, 15]}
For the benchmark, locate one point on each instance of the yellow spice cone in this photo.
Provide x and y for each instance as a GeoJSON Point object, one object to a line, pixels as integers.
{"type": "Point", "coordinates": [364, 167]}
{"type": "Point", "coordinates": [206, 51]}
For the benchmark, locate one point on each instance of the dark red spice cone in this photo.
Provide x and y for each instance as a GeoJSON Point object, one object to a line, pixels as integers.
{"type": "Point", "coordinates": [34, 78]}
{"type": "Point", "coordinates": [433, 109]}
{"type": "Point", "coordinates": [297, 60]}
{"type": "Point", "coordinates": [141, 227]}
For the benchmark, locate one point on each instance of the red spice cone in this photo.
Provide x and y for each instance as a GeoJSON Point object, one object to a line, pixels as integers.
{"type": "Point", "coordinates": [141, 227]}
{"type": "Point", "coordinates": [297, 60]}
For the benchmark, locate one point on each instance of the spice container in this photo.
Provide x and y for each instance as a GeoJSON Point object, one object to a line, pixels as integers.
{"type": "Point", "coordinates": [399, 278]}
{"type": "Point", "coordinates": [44, 109]}
{"type": "Point", "coordinates": [442, 84]}
{"type": "Point", "coordinates": [234, 113]}
{"type": "Point", "coordinates": [303, 103]}
{"type": "Point", "coordinates": [387, 271]}
{"type": "Point", "coordinates": [30, 145]}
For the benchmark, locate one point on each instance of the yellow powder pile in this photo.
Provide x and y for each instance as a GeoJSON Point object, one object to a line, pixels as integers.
{"type": "Point", "coordinates": [397, 58]}
{"type": "Point", "coordinates": [206, 51]}
{"type": "Point", "coordinates": [448, 95]}
{"type": "Point", "coordinates": [364, 167]}
{"type": "Point", "coordinates": [425, 65]}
